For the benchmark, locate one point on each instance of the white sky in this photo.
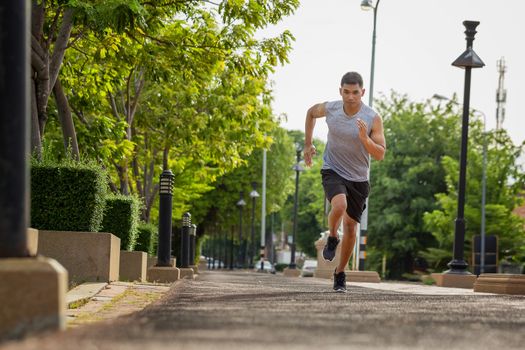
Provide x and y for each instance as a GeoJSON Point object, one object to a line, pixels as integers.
{"type": "Point", "coordinates": [417, 40]}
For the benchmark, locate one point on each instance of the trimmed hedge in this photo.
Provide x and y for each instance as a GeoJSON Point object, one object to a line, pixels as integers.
{"type": "Point", "coordinates": [147, 238]}
{"type": "Point", "coordinates": [67, 196]}
{"type": "Point", "coordinates": [121, 218]}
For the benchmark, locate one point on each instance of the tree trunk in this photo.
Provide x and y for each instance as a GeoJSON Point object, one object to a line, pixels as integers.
{"type": "Point", "coordinates": [36, 144]}
{"type": "Point", "coordinates": [66, 121]}
{"type": "Point", "coordinates": [45, 69]}
{"type": "Point", "coordinates": [149, 200]}
{"type": "Point", "coordinates": [150, 191]}
{"type": "Point", "coordinates": [123, 179]}
{"type": "Point", "coordinates": [40, 66]}
{"type": "Point", "coordinates": [60, 46]}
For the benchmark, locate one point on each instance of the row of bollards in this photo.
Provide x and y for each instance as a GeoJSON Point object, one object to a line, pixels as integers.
{"type": "Point", "coordinates": [188, 231]}
{"type": "Point", "coordinates": [188, 239]}
{"type": "Point", "coordinates": [222, 251]}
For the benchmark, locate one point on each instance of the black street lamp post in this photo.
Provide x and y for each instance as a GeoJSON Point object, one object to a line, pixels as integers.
{"type": "Point", "coordinates": [468, 60]}
{"type": "Point", "coordinates": [241, 204]}
{"type": "Point", "coordinates": [298, 168]}
{"type": "Point", "coordinates": [253, 247]}
{"type": "Point", "coordinates": [14, 128]}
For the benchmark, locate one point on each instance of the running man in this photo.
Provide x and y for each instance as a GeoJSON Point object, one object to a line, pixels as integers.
{"type": "Point", "coordinates": [355, 132]}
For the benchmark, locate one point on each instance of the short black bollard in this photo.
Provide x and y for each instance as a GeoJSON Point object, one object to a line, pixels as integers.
{"type": "Point", "coordinates": [165, 206]}
{"type": "Point", "coordinates": [185, 240]}
{"type": "Point", "coordinates": [193, 237]}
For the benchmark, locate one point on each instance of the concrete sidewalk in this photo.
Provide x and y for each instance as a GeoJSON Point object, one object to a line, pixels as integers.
{"type": "Point", "coordinates": [241, 310]}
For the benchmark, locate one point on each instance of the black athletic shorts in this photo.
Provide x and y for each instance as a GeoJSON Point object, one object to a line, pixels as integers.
{"type": "Point", "coordinates": [356, 192]}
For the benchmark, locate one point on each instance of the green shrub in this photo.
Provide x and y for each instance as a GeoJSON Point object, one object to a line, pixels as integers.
{"type": "Point", "coordinates": [280, 267]}
{"type": "Point", "coordinates": [67, 195]}
{"type": "Point", "coordinates": [121, 218]}
{"type": "Point", "coordinates": [147, 238]}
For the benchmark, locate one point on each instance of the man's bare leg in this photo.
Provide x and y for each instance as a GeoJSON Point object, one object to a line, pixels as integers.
{"type": "Point", "coordinates": [347, 245]}
{"type": "Point", "coordinates": [335, 216]}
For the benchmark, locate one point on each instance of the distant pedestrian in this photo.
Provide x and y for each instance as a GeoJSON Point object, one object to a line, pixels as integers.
{"type": "Point", "coordinates": [355, 132]}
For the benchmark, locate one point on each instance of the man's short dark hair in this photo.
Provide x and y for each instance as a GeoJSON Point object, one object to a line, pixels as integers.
{"type": "Point", "coordinates": [352, 78]}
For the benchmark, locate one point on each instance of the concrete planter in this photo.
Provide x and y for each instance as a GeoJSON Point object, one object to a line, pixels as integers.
{"type": "Point", "coordinates": [500, 283]}
{"type": "Point", "coordinates": [163, 274]}
{"type": "Point", "coordinates": [33, 291]}
{"type": "Point", "coordinates": [288, 272]}
{"type": "Point", "coordinates": [133, 266]}
{"type": "Point", "coordinates": [152, 261]}
{"type": "Point", "coordinates": [87, 256]}
{"type": "Point", "coordinates": [454, 280]}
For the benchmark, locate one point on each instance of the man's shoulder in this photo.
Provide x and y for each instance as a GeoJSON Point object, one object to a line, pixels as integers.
{"type": "Point", "coordinates": [333, 105]}
{"type": "Point", "coordinates": [368, 111]}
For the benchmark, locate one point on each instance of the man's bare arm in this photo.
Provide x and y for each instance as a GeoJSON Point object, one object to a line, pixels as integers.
{"type": "Point", "coordinates": [314, 112]}
{"type": "Point", "coordinates": [374, 144]}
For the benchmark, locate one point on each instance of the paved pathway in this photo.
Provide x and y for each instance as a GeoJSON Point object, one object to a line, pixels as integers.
{"type": "Point", "coordinates": [244, 310]}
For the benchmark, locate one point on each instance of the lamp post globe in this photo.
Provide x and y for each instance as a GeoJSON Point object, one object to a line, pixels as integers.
{"type": "Point", "coordinates": [367, 5]}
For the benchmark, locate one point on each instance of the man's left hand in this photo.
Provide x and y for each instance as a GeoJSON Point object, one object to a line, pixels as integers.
{"type": "Point", "coordinates": [363, 130]}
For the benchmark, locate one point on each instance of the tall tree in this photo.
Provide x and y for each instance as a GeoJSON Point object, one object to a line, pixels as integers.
{"type": "Point", "coordinates": [403, 185]}
{"type": "Point", "coordinates": [172, 84]}
{"type": "Point", "coordinates": [55, 26]}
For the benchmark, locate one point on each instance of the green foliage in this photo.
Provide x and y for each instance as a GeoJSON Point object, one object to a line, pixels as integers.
{"type": "Point", "coordinates": [280, 267]}
{"type": "Point", "coordinates": [181, 84]}
{"type": "Point", "coordinates": [67, 195]}
{"type": "Point", "coordinates": [504, 182]}
{"type": "Point", "coordinates": [218, 207]}
{"type": "Point", "coordinates": [413, 201]}
{"type": "Point", "coordinates": [147, 238]}
{"type": "Point", "coordinates": [374, 260]}
{"type": "Point", "coordinates": [121, 218]}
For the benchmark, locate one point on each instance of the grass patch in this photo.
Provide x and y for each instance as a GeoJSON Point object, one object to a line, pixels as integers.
{"type": "Point", "coordinates": [78, 303]}
{"type": "Point", "coordinates": [129, 301]}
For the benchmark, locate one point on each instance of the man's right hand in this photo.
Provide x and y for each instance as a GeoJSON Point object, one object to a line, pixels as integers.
{"type": "Point", "coordinates": [309, 152]}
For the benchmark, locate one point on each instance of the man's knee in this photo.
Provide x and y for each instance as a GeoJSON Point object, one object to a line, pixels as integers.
{"type": "Point", "coordinates": [339, 205]}
{"type": "Point", "coordinates": [349, 225]}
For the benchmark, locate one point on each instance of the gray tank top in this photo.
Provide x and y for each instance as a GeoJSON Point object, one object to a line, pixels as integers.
{"type": "Point", "coordinates": [344, 152]}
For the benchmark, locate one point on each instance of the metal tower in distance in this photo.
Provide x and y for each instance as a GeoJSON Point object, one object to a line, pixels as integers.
{"type": "Point", "coordinates": [501, 94]}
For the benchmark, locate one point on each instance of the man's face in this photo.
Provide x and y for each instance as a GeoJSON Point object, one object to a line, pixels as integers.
{"type": "Point", "coordinates": [351, 93]}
